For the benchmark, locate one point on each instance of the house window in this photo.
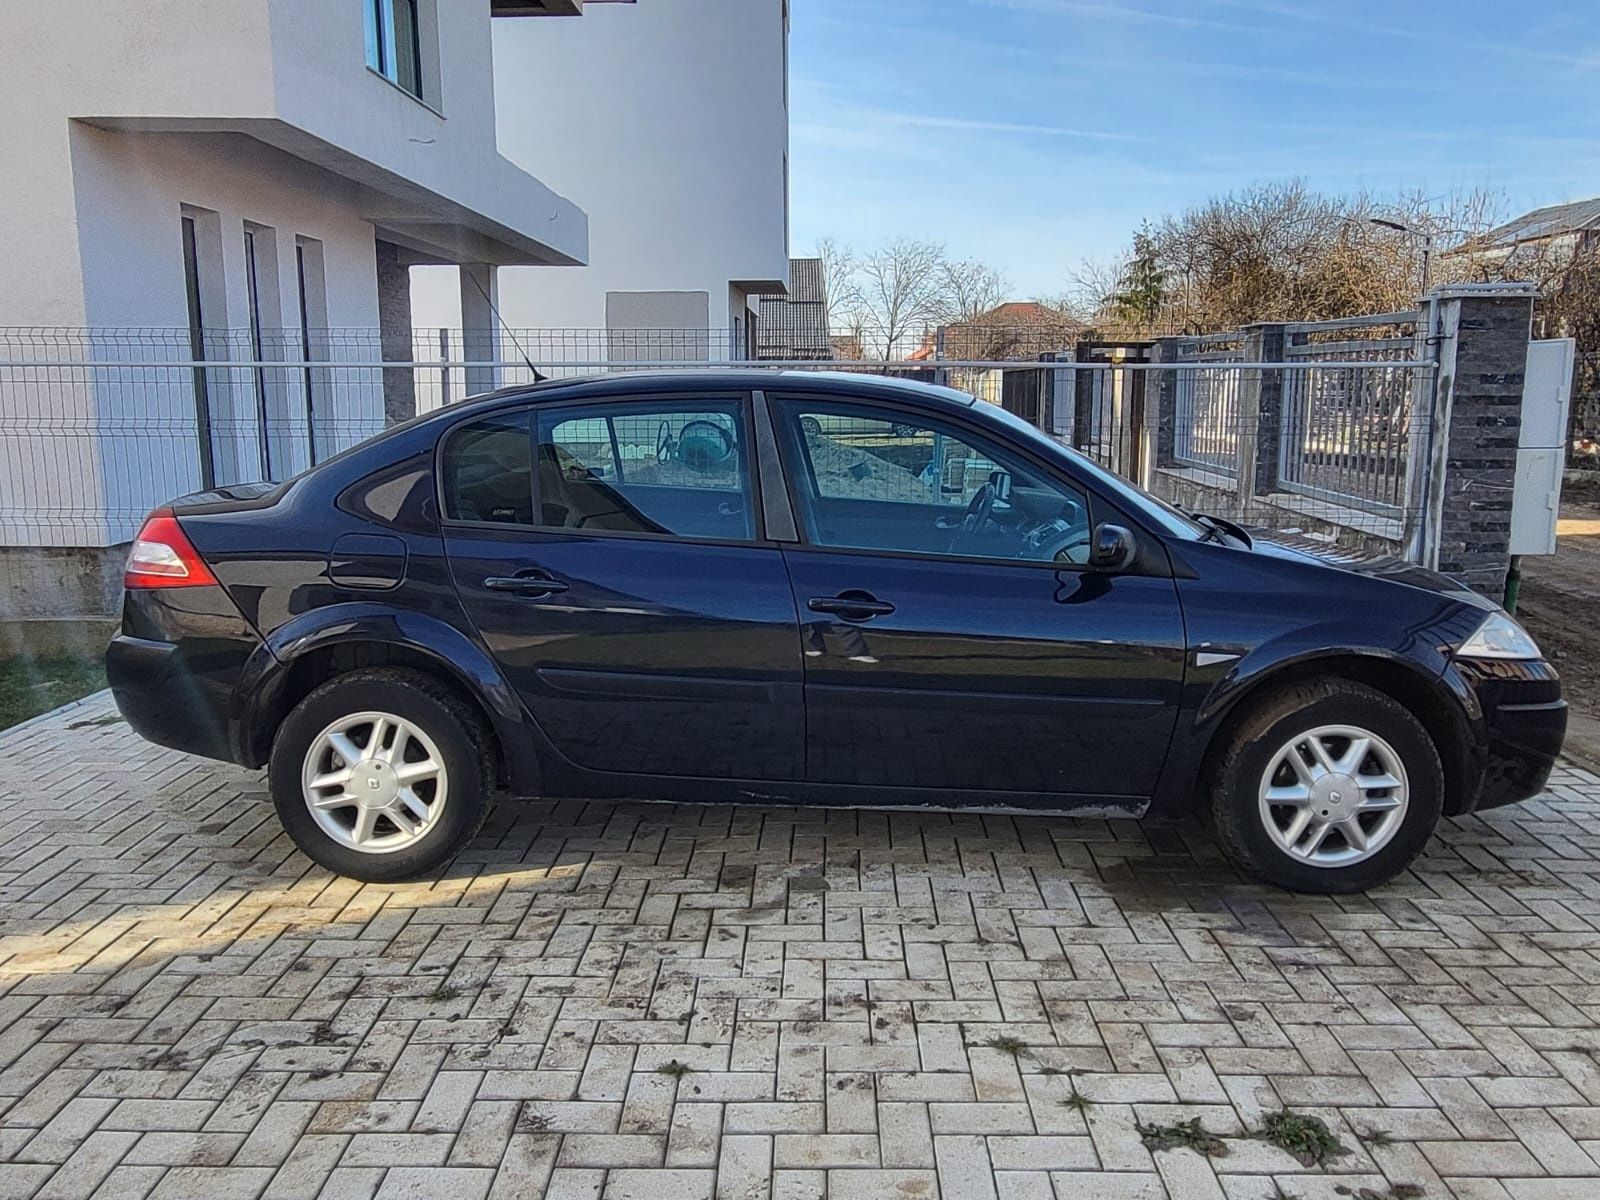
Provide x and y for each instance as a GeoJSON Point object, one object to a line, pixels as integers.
{"type": "Point", "coordinates": [259, 272]}
{"type": "Point", "coordinates": [394, 42]}
{"type": "Point", "coordinates": [197, 350]}
{"type": "Point", "coordinates": [313, 289]}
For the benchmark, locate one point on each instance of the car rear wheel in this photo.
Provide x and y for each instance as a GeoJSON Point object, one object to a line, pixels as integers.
{"type": "Point", "coordinates": [381, 774]}
{"type": "Point", "coordinates": [1329, 786]}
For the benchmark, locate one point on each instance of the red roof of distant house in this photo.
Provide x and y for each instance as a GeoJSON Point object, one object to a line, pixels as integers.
{"type": "Point", "coordinates": [1024, 312]}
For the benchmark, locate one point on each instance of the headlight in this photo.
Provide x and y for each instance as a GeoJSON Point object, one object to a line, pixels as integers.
{"type": "Point", "coordinates": [1499, 637]}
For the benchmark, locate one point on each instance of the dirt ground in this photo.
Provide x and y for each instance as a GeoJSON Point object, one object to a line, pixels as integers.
{"type": "Point", "coordinates": [1560, 605]}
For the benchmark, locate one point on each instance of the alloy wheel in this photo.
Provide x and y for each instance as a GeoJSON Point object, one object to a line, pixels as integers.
{"type": "Point", "coordinates": [1334, 795]}
{"type": "Point", "coordinates": [374, 782]}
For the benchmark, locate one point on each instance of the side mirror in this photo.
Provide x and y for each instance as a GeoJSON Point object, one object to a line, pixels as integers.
{"type": "Point", "coordinates": [1000, 481]}
{"type": "Point", "coordinates": [1111, 548]}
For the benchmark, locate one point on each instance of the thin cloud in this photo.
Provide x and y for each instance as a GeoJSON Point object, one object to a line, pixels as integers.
{"type": "Point", "coordinates": [1340, 18]}
{"type": "Point", "coordinates": [931, 122]}
{"type": "Point", "coordinates": [1090, 114]}
{"type": "Point", "coordinates": [1117, 12]}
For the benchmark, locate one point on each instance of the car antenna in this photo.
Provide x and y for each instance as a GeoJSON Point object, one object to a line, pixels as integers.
{"type": "Point", "coordinates": [538, 375]}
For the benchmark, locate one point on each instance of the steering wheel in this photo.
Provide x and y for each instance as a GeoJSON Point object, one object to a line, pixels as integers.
{"type": "Point", "coordinates": [979, 509]}
{"type": "Point", "coordinates": [664, 443]}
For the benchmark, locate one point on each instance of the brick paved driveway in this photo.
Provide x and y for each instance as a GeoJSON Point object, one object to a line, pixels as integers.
{"type": "Point", "coordinates": [638, 1001]}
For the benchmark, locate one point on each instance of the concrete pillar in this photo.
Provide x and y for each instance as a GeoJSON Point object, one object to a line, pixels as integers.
{"type": "Point", "coordinates": [394, 334]}
{"type": "Point", "coordinates": [1260, 412]}
{"type": "Point", "coordinates": [1059, 408]}
{"type": "Point", "coordinates": [480, 301]}
{"type": "Point", "coordinates": [1470, 437]}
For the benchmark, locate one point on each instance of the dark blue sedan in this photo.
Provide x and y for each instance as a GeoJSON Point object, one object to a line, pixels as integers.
{"type": "Point", "coordinates": [762, 588]}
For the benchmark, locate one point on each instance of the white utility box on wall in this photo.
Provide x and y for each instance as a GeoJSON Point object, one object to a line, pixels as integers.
{"type": "Point", "coordinates": [1542, 446]}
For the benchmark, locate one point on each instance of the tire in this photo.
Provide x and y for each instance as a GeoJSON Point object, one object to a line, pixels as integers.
{"type": "Point", "coordinates": [1278, 733]}
{"type": "Point", "coordinates": [409, 838]}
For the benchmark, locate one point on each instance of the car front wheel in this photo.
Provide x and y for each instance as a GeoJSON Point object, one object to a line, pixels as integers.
{"type": "Point", "coordinates": [381, 774]}
{"type": "Point", "coordinates": [1328, 786]}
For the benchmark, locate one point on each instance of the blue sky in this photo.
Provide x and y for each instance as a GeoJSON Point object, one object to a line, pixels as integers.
{"type": "Point", "coordinates": [1036, 133]}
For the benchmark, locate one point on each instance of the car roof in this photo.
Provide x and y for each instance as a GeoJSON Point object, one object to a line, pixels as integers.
{"type": "Point", "coordinates": [734, 378]}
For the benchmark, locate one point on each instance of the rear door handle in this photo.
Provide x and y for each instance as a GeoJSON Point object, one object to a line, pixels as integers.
{"type": "Point", "coordinates": [525, 585]}
{"type": "Point", "coordinates": [853, 607]}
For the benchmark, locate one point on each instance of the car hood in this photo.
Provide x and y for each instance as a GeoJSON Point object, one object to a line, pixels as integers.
{"type": "Point", "coordinates": [1384, 567]}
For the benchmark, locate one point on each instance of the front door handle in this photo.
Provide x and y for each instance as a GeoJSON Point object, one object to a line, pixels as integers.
{"type": "Point", "coordinates": [528, 584]}
{"type": "Point", "coordinates": [852, 606]}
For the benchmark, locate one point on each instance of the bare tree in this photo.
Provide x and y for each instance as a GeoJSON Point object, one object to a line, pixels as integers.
{"type": "Point", "coordinates": [879, 302]}
{"type": "Point", "coordinates": [1092, 294]}
{"type": "Point", "coordinates": [840, 280]}
{"type": "Point", "coordinates": [903, 291]}
{"type": "Point", "coordinates": [972, 290]}
{"type": "Point", "coordinates": [1281, 251]}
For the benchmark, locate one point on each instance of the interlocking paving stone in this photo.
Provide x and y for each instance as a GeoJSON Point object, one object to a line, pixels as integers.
{"type": "Point", "coordinates": [603, 1001]}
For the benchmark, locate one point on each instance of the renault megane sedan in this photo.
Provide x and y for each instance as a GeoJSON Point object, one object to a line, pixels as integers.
{"type": "Point", "coordinates": [753, 587]}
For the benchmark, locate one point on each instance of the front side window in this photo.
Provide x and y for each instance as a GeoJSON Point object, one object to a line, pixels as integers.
{"type": "Point", "coordinates": [1159, 512]}
{"type": "Point", "coordinates": [879, 479]}
{"type": "Point", "coordinates": [394, 43]}
{"type": "Point", "coordinates": [646, 468]}
{"type": "Point", "coordinates": [486, 471]}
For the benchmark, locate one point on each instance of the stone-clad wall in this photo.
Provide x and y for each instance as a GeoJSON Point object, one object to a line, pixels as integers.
{"type": "Point", "coordinates": [1483, 357]}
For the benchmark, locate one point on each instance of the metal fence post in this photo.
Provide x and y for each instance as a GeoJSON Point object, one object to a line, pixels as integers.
{"type": "Point", "coordinates": [1083, 429]}
{"type": "Point", "coordinates": [1427, 416]}
{"type": "Point", "coordinates": [1161, 401]}
{"type": "Point", "coordinates": [444, 372]}
{"type": "Point", "coordinates": [1260, 412]}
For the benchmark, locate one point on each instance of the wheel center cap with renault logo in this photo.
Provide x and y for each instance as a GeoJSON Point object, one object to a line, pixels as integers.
{"type": "Point", "coordinates": [1335, 796]}
{"type": "Point", "coordinates": [381, 784]}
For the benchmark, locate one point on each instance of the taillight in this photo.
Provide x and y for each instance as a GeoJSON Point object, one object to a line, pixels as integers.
{"type": "Point", "coordinates": [163, 557]}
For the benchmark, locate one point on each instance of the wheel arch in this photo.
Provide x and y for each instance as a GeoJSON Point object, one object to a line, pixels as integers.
{"type": "Point", "coordinates": [325, 643]}
{"type": "Point", "coordinates": [1429, 698]}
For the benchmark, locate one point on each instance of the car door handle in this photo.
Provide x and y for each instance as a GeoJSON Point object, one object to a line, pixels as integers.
{"type": "Point", "coordinates": [525, 585]}
{"type": "Point", "coordinates": [857, 606]}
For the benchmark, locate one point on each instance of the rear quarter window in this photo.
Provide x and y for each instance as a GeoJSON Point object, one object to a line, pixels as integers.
{"type": "Point", "coordinates": [486, 471]}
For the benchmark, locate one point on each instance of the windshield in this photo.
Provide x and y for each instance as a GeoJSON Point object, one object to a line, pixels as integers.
{"type": "Point", "coordinates": [1164, 516]}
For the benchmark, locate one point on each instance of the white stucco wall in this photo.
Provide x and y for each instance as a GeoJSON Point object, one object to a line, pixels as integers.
{"type": "Point", "coordinates": [131, 190]}
{"type": "Point", "coordinates": [289, 73]}
{"type": "Point", "coordinates": [117, 117]}
{"type": "Point", "coordinates": [670, 131]}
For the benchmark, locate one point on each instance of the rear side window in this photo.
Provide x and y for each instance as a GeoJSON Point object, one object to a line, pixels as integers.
{"type": "Point", "coordinates": [487, 471]}
{"type": "Point", "coordinates": [676, 470]}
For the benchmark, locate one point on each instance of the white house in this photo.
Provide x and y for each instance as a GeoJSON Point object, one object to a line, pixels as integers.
{"type": "Point", "coordinates": [240, 180]}
{"type": "Point", "coordinates": [668, 124]}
